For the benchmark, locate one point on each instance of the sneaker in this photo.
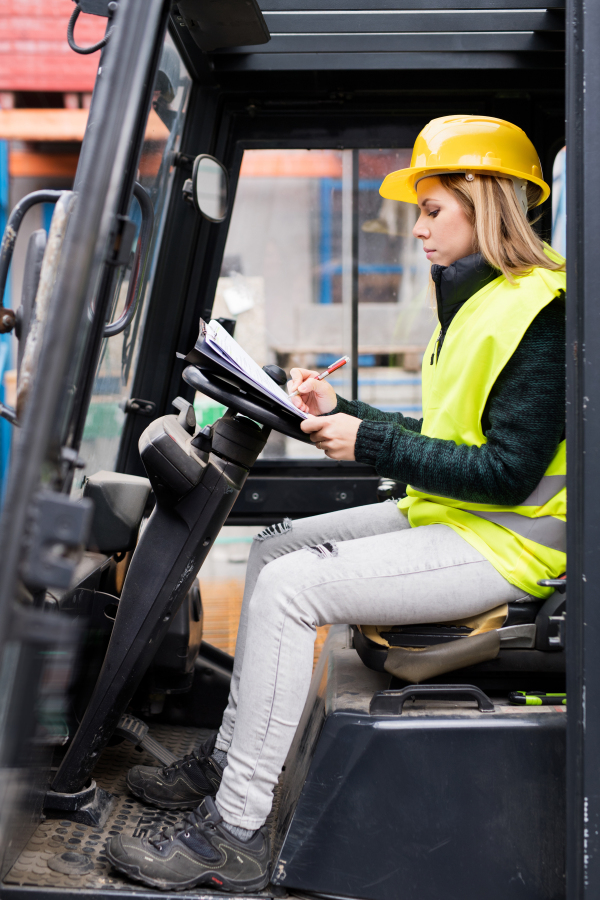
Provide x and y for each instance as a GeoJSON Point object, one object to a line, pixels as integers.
{"type": "Point", "coordinates": [198, 852]}
{"type": "Point", "coordinates": [181, 785]}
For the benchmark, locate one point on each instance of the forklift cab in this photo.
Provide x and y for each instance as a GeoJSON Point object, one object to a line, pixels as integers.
{"type": "Point", "coordinates": [243, 185]}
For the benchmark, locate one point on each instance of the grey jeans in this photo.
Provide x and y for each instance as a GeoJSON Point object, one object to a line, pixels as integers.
{"type": "Point", "coordinates": [362, 565]}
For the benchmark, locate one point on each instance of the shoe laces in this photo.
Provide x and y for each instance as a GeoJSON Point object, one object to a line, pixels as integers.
{"type": "Point", "coordinates": [170, 832]}
{"type": "Point", "coordinates": [196, 757]}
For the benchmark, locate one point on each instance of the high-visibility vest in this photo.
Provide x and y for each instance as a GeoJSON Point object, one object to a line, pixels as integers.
{"type": "Point", "coordinates": [525, 543]}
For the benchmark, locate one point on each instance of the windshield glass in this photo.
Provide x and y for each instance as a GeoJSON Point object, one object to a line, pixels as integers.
{"type": "Point", "coordinates": [116, 367]}
{"type": "Point", "coordinates": [286, 278]}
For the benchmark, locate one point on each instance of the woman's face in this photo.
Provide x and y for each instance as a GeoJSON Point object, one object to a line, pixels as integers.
{"type": "Point", "coordinates": [443, 225]}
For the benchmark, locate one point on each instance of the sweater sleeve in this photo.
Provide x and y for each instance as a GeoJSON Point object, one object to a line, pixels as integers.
{"type": "Point", "coordinates": [524, 422]}
{"type": "Point", "coordinates": [370, 413]}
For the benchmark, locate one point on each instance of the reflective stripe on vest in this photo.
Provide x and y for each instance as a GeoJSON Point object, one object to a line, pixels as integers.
{"type": "Point", "coordinates": [545, 530]}
{"type": "Point", "coordinates": [548, 487]}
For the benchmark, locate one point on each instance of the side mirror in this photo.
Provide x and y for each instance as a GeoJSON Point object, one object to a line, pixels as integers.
{"type": "Point", "coordinates": [208, 188]}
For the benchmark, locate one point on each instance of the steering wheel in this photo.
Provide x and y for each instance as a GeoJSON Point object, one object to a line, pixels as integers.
{"type": "Point", "coordinates": [249, 404]}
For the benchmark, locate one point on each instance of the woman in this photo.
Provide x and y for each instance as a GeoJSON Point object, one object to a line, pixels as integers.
{"type": "Point", "coordinates": [483, 521]}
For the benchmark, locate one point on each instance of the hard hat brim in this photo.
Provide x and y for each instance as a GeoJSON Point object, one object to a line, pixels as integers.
{"type": "Point", "coordinates": [400, 185]}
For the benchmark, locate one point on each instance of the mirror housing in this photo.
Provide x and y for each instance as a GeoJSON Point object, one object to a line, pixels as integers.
{"type": "Point", "coordinates": [208, 188]}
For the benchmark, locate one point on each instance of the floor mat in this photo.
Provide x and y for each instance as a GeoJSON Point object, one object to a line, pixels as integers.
{"type": "Point", "coordinates": [63, 854]}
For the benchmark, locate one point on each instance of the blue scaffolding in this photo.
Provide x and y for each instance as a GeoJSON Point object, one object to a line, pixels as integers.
{"type": "Point", "coordinates": [328, 267]}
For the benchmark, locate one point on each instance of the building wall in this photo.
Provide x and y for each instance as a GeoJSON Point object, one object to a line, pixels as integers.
{"type": "Point", "coordinates": [34, 54]}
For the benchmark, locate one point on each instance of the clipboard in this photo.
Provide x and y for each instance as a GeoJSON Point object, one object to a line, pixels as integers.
{"type": "Point", "coordinates": [212, 375]}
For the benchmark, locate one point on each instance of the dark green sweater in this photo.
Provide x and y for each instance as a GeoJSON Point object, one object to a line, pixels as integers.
{"type": "Point", "coordinates": [524, 422]}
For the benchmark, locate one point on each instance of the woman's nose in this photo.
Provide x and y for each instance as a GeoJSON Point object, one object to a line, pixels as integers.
{"type": "Point", "coordinates": [420, 230]}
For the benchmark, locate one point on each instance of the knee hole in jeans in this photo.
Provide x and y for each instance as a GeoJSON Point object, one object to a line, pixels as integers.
{"type": "Point", "coordinates": [274, 530]}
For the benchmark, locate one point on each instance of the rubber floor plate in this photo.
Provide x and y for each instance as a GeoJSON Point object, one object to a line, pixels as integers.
{"type": "Point", "coordinates": [63, 855]}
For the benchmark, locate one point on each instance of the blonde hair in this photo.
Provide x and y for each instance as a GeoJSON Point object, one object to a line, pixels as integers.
{"type": "Point", "coordinates": [502, 232]}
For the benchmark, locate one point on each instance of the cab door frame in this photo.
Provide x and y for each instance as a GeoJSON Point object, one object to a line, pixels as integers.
{"type": "Point", "coordinates": [583, 441]}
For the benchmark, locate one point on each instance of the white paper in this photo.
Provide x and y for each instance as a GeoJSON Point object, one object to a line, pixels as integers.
{"type": "Point", "coordinates": [223, 344]}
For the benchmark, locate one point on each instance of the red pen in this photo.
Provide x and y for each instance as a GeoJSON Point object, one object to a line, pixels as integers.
{"type": "Point", "coordinates": [336, 365]}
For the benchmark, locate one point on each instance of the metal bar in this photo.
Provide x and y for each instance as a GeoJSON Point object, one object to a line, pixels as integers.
{"type": "Point", "coordinates": [325, 293]}
{"type": "Point", "coordinates": [346, 333]}
{"type": "Point", "coordinates": [407, 21]}
{"type": "Point", "coordinates": [118, 891]}
{"type": "Point", "coordinates": [334, 268]}
{"type": "Point", "coordinates": [355, 273]}
{"type": "Point", "coordinates": [5, 340]}
{"type": "Point", "coordinates": [287, 62]}
{"type": "Point", "coordinates": [105, 292]}
{"type": "Point", "coordinates": [5, 426]}
{"type": "Point", "coordinates": [398, 42]}
{"type": "Point", "coordinates": [268, 6]}
{"type": "Point", "coordinates": [187, 268]}
{"type": "Point", "coordinates": [336, 346]}
{"type": "Point", "coordinates": [4, 203]}
{"type": "Point", "coordinates": [583, 436]}
{"type": "Point", "coordinates": [100, 175]}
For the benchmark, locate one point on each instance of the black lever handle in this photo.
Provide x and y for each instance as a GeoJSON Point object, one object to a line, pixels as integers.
{"type": "Point", "coordinates": [187, 415]}
{"type": "Point", "coordinates": [276, 373]}
{"type": "Point", "coordinates": [559, 584]}
{"type": "Point", "coordinates": [390, 703]}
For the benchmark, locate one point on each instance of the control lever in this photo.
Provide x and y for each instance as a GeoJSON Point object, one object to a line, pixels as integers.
{"type": "Point", "coordinates": [203, 440]}
{"type": "Point", "coordinates": [187, 416]}
{"type": "Point", "coordinates": [559, 584]}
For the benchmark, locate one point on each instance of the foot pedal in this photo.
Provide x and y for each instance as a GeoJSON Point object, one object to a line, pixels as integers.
{"type": "Point", "coordinates": [136, 731]}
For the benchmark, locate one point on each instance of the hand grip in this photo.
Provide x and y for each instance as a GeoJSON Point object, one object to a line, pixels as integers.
{"type": "Point", "coordinates": [140, 262]}
{"type": "Point", "coordinates": [390, 703]}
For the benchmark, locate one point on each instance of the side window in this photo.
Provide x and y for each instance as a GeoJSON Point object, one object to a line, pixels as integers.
{"type": "Point", "coordinates": [112, 386]}
{"type": "Point", "coordinates": [287, 275]}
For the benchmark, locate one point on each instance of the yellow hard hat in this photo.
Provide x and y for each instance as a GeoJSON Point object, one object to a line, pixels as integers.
{"type": "Point", "coordinates": [468, 144]}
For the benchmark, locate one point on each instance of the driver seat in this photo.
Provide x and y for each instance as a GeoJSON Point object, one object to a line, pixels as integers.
{"type": "Point", "coordinates": [511, 639]}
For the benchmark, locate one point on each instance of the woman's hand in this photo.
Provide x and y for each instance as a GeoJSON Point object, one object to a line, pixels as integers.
{"type": "Point", "coordinates": [336, 435]}
{"type": "Point", "coordinates": [315, 397]}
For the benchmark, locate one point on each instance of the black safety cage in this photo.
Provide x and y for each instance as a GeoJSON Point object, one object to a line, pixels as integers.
{"type": "Point", "coordinates": [338, 74]}
{"type": "Point", "coordinates": [335, 75]}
